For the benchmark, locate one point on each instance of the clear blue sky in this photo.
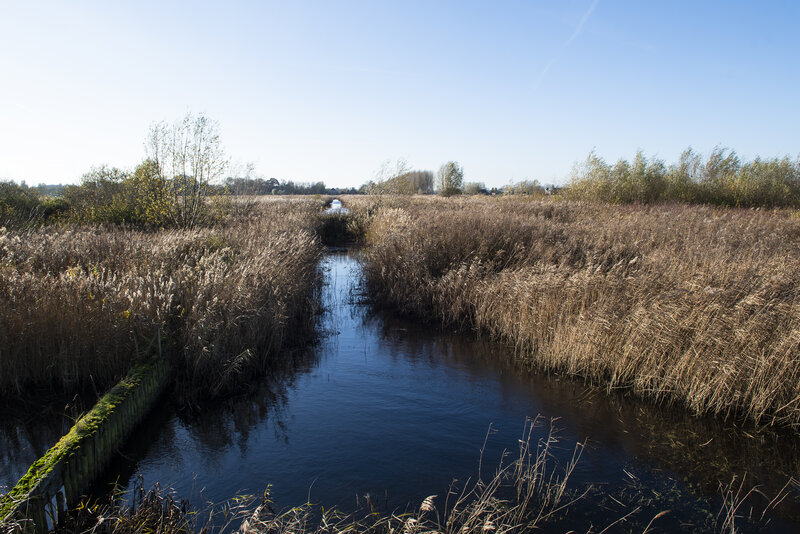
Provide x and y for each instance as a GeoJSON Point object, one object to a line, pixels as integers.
{"type": "Point", "coordinates": [328, 90]}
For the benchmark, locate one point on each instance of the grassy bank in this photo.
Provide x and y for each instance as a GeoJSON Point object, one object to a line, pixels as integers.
{"type": "Point", "coordinates": [681, 304]}
{"type": "Point", "coordinates": [79, 304]}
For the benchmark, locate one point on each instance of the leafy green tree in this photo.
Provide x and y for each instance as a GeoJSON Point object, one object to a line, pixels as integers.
{"type": "Point", "coordinates": [450, 179]}
{"type": "Point", "coordinates": [150, 194]}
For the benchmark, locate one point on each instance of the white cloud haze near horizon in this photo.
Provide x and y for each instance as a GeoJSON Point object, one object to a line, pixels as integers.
{"type": "Point", "coordinates": [329, 90]}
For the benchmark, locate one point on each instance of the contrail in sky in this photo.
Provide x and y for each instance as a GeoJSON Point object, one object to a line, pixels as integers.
{"type": "Point", "coordinates": [579, 27]}
{"type": "Point", "coordinates": [575, 34]}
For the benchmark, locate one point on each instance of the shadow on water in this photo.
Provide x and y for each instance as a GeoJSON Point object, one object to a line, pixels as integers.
{"type": "Point", "coordinates": [637, 455]}
{"type": "Point", "coordinates": [30, 426]}
{"type": "Point", "coordinates": [187, 450]}
{"type": "Point", "coordinates": [394, 409]}
{"type": "Point", "coordinates": [706, 448]}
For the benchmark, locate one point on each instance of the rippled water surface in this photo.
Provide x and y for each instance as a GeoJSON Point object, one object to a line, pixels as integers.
{"type": "Point", "coordinates": [397, 410]}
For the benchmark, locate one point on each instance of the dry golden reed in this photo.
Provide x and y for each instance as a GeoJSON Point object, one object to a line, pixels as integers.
{"type": "Point", "coordinates": [79, 305]}
{"type": "Point", "coordinates": [683, 304]}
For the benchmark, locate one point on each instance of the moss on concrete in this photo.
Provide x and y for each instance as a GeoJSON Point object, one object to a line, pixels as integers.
{"type": "Point", "coordinates": [86, 427]}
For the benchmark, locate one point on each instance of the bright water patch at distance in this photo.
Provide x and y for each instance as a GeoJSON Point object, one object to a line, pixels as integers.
{"type": "Point", "coordinates": [336, 208]}
{"type": "Point", "coordinates": [394, 409]}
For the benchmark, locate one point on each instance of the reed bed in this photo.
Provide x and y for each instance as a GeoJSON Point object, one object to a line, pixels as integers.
{"type": "Point", "coordinates": [78, 305]}
{"type": "Point", "coordinates": [691, 305]}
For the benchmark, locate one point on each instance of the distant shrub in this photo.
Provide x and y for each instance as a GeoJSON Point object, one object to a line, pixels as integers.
{"type": "Point", "coordinates": [401, 181]}
{"type": "Point", "coordinates": [721, 179]}
{"type": "Point", "coordinates": [100, 197]}
{"type": "Point", "coordinates": [53, 207]}
{"type": "Point", "coordinates": [474, 188]}
{"type": "Point", "coordinates": [143, 198]}
{"type": "Point", "coordinates": [149, 195]}
{"type": "Point", "coordinates": [21, 206]}
{"type": "Point", "coordinates": [525, 187]}
{"type": "Point", "coordinates": [175, 187]}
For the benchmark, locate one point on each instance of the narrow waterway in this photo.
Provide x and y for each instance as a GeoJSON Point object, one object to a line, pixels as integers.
{"type": "Point", "coordinates": [397, 410]}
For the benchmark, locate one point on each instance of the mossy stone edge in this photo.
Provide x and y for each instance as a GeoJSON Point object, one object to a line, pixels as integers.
{"type": "Point", "coordinates": [81, 454]}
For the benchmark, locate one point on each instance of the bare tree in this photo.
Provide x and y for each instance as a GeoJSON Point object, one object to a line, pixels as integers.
{"type": "Point", "coordinates": [190, 158]}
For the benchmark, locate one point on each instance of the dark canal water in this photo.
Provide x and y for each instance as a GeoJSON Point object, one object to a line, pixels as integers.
{"type": "Point", "coordinates": [397, 410]}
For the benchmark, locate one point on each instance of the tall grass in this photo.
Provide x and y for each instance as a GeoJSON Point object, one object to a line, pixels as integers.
{"type": "Point", "coordinates": [79, 304]}
{"type": "Point", "coordinates": [682, 304]}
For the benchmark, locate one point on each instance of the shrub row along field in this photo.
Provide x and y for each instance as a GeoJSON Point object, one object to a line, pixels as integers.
{"type": "Point", "coordinates": [688, 304]}
{"type": "Point", "coordinates": [721, 179]}
{"type": "Point", "coordinates": [79, 304]}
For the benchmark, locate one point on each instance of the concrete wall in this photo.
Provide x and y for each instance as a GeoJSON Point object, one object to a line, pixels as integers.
{"type": "Point", "coordinates": [58, 479]}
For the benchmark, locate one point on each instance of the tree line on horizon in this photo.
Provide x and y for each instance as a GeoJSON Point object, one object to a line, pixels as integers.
{"type": "Point", "coordinates": [184, 181]}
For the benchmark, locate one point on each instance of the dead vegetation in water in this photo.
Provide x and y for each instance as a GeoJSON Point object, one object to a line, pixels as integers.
{"type": "Point", "coordinates": [157, 510]}
{"type": "Point", "coordinates": [521, 495]}
{"type": "Point", "coordinates": [529, 490]}
{"type": "Point", "coordinates": [79, 304]}
{"type": "Point", "coordinates": [681, 304]}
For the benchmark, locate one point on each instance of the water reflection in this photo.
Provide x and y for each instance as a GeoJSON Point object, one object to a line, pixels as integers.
{"type": "Point", "coordinates": [28, 428]}
{"type": "Point", "coordinates": [683, 457]}
{"type": "Point", "coordinates": [189, 451]}
{"type": "Point", "coordinates": [336, 207]}
{"type": "Point", "coordinates": [394, 409]}
{"type": "Point", "coordinates": [706, 449]}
